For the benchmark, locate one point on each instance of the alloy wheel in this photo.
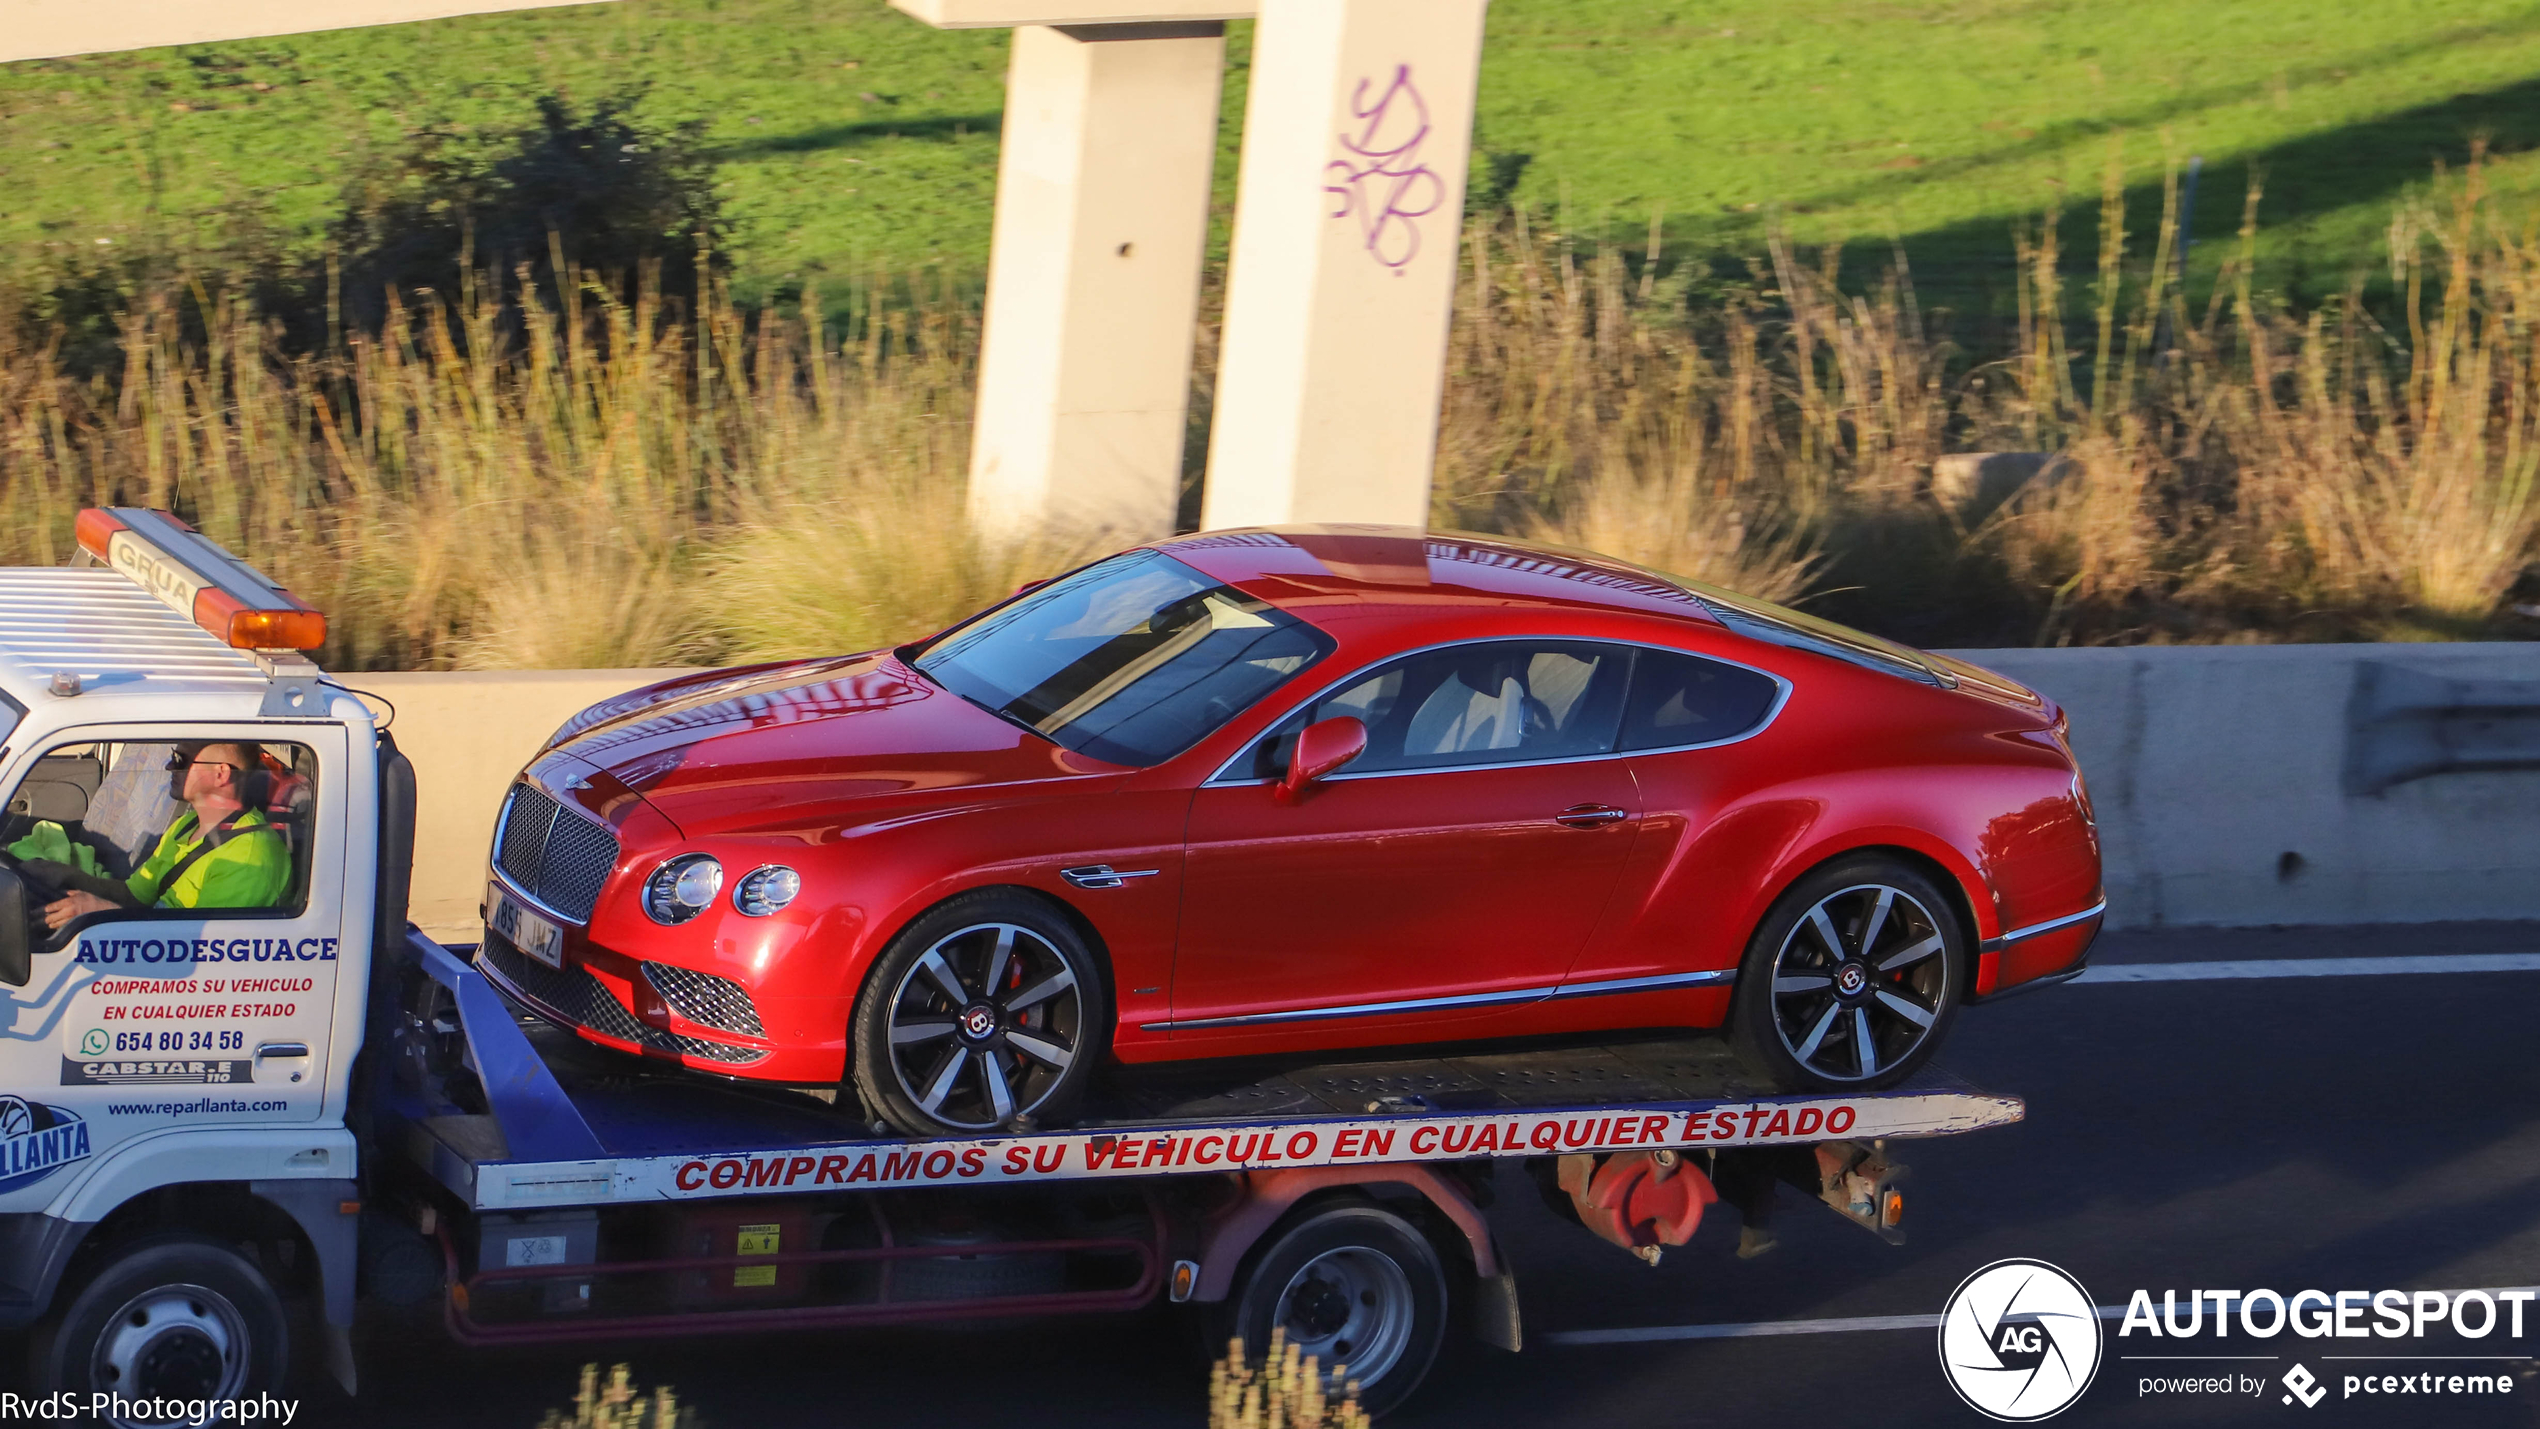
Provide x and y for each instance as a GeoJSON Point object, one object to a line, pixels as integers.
{"type": "Point", "coordinates": [984, 1025]}
{"type": "Point", "coordinates": [1859, 982]}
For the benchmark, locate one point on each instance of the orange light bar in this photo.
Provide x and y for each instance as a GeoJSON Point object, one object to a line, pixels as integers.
{"type": "Point", "coordinates": [227, 597]}
{"type": "Point", "coordinates": [295, 627]}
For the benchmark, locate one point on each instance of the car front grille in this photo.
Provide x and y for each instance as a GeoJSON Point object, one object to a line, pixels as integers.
{"type": "Point", "coordinates": [705, 999]}
{"type": "Point", "coordinates": [553, 853]}
{"type": "Point", "coordinates": [577, 997]}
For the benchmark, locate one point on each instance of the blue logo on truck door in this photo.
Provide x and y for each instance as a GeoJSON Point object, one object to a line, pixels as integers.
{"type": "Point", "coordinates": [37, 1140]}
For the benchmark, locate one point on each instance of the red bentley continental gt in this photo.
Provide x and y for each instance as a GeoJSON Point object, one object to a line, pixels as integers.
{"type": "Point", "coordinates": [1294, 790]}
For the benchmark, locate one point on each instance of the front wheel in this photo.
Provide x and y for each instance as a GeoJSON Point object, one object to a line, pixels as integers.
{"type": "Point", "coordinates": [166, 1321]}
{"type": "Point", "coordinates": [985, 1011]}
{"type": "Point", "coordinates": [1852, 979]}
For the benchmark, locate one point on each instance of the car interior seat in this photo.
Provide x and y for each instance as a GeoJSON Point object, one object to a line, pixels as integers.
{"type": "Point", "coordinates": [1482, 706]}
{"type": "Point", "coordinates": [285, 797]}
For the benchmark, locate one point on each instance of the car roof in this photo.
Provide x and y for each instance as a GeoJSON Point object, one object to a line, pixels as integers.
{"type": "Point", "coordinates": [1405, 566]}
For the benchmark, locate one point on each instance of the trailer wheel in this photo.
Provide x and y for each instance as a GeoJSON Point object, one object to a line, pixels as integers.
{"type": "Point", "coordinates": [1353, 1285]}
{"type": "Point", "coordinates": [174, 1317]}
{"type": "Point", "coordinates": [1852, 980]}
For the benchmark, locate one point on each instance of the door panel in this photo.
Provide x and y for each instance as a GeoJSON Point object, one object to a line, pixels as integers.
{"type": "Point", "coordinates": [1444, 884]}
{"type": "Point", "coordinates": [153, 1019]}
{"type": "Point", "coordinates": [1464, 855]}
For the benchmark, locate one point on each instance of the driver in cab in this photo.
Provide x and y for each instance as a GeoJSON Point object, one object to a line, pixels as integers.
{"type": "Point", "coordinates": [219, 853]}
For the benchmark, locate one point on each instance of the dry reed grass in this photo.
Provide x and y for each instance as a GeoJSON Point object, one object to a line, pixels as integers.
{"type": "Point", "coordinates": [1286, 1392]}
{"type": "Point", "coordinates": [590, 477]}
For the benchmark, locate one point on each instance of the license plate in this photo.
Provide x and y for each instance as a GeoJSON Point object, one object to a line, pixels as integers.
{"type": "Point", "coordinates": [525, 930]}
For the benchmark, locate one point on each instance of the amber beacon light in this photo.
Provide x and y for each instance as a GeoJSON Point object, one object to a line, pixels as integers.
{"type": "Point", "coordinates": [179, 565]}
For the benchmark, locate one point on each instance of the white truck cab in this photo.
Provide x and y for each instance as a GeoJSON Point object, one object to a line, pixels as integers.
{"type": "Point", "coordinates": [177, 1077]}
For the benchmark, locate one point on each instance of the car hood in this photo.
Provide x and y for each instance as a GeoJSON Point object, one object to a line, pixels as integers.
{"type": "Point", "coordinates": [782, 747]}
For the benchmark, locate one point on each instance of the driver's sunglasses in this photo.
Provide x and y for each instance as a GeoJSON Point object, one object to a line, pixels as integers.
{"type": "Point", "coordinates": [179, 761]}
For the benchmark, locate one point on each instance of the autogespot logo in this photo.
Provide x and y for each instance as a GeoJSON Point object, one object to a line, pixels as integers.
{"type": "Point", "coordinates": [2019, 1340]}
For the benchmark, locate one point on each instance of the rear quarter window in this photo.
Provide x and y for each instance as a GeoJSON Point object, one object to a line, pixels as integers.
{"type": "Point", "coordinates": [1684, 699]}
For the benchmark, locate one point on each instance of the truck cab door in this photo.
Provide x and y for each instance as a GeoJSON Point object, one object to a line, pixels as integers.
{"type": "Point", "coordinates": [153, 1019]}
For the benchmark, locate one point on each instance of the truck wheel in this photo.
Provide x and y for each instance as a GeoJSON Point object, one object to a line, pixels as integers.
{"type": "Point", "coordinates": [170, 1317]}
{"type": "Point", "coordinates": [1852, 979]}
{"type": "Point", "coordinates": [1353, 1285]}
{"type": "Point", "coordinates": [985, 1010]}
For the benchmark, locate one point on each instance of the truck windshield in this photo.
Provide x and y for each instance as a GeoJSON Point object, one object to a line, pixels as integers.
{"type": "Point", "coordinates": [1131, 660]}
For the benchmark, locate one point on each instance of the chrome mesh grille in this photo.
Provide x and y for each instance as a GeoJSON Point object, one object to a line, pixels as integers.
{"type": "Point", "coordinates": [705, 999]}
{"type": "Point", "coordinates": [552, 853]}
{"type": "Point", "coordinates": [579, 998]}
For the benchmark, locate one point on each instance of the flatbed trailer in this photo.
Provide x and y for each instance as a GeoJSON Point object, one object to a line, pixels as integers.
{"type": "Point", "coordinates": [572, 1199]}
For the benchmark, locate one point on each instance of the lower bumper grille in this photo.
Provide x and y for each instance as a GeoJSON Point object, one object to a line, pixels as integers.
{"type": "Point", "coordinates": [705, 999]}
{"type": "Point", "coordinates": [579, 998]}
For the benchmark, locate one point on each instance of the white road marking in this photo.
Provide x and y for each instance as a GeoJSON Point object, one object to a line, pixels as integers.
{"type": "Point", "coordinates": [2313, 967]}
{"type": "Point", "coordinates": [1642, 1334]}
{"type": "Point", "coordinates": [1760, 1328]}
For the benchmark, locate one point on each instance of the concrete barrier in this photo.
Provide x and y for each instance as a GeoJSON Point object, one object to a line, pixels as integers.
{"type": "Point", "coordinates": [468, 734]}
{"type": "Point", "coordinates": [2236, 785]}
{"type": "Point", "coordinates": [2242, 785]}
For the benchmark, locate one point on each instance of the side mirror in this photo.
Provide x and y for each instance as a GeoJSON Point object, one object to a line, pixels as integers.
{"type": "Point", "coordinates": [17, 949]}
{"type": "Point", "coordinates": [1321, 749]}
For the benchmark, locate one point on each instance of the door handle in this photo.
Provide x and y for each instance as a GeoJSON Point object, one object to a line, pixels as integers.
{"type": "Point", "coordinates": [1590, 816]}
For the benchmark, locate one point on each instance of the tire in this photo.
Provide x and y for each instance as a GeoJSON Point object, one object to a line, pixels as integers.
{"type": "Point", "coordinates": [937, 1054]}
{"type": "Point", "coordinates": [1808, 989]}
{"type": "Point", "coordinates": [172, 1317]}
{"type": "Point", "coordinates": [1353, 1285]}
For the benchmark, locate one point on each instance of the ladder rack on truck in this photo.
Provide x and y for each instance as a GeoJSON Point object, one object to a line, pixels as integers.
{"type": "Point", "coordinates": [605, 1203]}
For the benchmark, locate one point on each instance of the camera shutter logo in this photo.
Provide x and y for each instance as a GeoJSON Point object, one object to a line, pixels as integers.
{"type": "Point", "coordinates": [2020, 1340]}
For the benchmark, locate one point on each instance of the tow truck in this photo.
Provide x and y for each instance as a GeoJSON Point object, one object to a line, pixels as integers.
{"type": "Point", "coordinates": [205, 1113]}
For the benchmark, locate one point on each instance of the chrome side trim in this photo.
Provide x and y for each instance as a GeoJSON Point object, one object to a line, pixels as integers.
{"type": "Point", "coordinates": [1645, 984]}
{"type": "Point", "coordinates": [2049, 926]}
{"type": "Point", "coordinates": [1471, 999]}
{"type": "Point", "coordinates": [513, 889]}
{"type": "Point", "coordinates": [1226, 778]}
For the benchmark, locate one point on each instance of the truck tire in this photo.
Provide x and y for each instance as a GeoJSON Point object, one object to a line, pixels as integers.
{"type": "Point", "coordinates": [1352, 1284]}
{"type": "Point", "coordinates": [940, 1052]}
{"type": "Point", "coordinates": [1867, 1008]}
{"type": "Point", "coordinates": [172, 1316]}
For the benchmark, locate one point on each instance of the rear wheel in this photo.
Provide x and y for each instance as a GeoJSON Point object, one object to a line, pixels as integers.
{"type": "Point", "coordinates": [1853, 978]}
{"type": "Point", "coordinates": [1356, 1287]}
{"type": "Point", "coordinates": [167, 1320]}
{"type": "Point", "coordinates": [985, 1011]}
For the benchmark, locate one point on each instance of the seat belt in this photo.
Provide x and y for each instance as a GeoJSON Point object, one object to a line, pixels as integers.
{"type": "Point", "coordinates": [221, 833]}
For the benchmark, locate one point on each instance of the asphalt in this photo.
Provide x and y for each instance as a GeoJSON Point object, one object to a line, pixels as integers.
{"type": "Point", "coordinates": [2338, 1133]}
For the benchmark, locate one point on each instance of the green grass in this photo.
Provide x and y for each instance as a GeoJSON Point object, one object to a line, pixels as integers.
{"type": "Point", "coordinates": [853, 137]}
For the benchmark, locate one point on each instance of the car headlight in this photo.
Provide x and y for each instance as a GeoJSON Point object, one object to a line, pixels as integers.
{"type": "Point", "coordinates": [766, 890]}
{"type": "Point", "coordinates": [682, 888]}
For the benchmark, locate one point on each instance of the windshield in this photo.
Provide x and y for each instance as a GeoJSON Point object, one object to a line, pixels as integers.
{"type": "Point", "coordinates": [1130, 660]}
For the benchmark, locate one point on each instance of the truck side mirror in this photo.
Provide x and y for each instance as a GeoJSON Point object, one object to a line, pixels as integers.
{"type": "Point", "coordinates": [1321, 749]}
{"type": "Point", "coordinates": [17, 948]}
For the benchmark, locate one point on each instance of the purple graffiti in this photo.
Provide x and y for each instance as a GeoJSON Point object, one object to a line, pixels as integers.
{"type": "Point", "coordinates": [1382, 182]}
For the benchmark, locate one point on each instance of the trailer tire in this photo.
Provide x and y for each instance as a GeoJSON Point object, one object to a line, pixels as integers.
{"type": "Point", "coordinates": [1346, 1281]}
{"type": "Point", "coordinates": [173, 1316]}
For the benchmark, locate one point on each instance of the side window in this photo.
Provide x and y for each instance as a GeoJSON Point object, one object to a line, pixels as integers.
{"type": "Point", "coordinates": [1684, 699]}
{"type": "Point", "coordinates": [91, 818]}
{"type": "Point", "coordinates": [1502, 702]}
